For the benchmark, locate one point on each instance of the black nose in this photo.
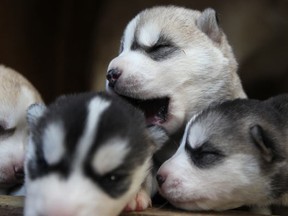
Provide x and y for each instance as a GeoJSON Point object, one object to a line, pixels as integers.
{"type": "Point", "coordinates": [19, 172]}
{"type": "Point", "coordinates": [160, 179]}
{"type": "Point", "coordinates": [112, 76]}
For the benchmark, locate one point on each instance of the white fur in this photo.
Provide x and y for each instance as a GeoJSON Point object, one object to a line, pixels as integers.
{"type": "Point", "coordinates": [197, 136]}
{"type": "Point", "coordinates": [96, 108]}
{"type": "Point", "coordinates": [77, 195]}
{"type": "Point", "coordinates": [60, 198]}
{"type": "Point", "coordinates": [16, 95]}
{"type": "Point", "coordinates": [129, 33]}
{"type": "Point", "coordinates": [191, 188]}
{"type": "Point", "coordinates": [110, 155]}
{"type": "Point", "coordinates": [229, 184]}
{"type": "Point", "coordinates": [201, 71]}
{"type": "Point", "coordinates": [192, 78]}
{"type": "Point", "coordinates": [149, 34]}
{"type": "Point", "coordinates": [53, 142]}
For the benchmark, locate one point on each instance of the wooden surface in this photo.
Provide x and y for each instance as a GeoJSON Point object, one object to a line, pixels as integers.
{"type": "Point", "coordinates": [174, 212]}
{"type": "Point", "coordinates": [13, 206]}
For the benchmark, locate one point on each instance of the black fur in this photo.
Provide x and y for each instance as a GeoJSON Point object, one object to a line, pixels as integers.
{"type": "Point", "coordinates": [119, 119]}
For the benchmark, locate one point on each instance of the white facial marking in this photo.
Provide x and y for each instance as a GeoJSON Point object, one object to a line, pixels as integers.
{"type": "Point", "coordinates": [129, 33]}
{"type": "Point", "coordinates": [149, 34]}
{"type": "Point", "coordinates": [110, 155]}
{"type": "Point", "coordinates": [95, 109]}
{"type": "Point", "coordinates": [53, 142]}
{"type": "Point", "coordinates": [184, 138]}
{"type": "Point", "coordinates": [197, 135]}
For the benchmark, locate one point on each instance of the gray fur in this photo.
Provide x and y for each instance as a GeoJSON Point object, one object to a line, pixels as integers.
{"type": "Point", "coordinates": [244, 140]}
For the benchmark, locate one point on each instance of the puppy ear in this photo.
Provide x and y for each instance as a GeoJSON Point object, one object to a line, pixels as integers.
{"type": "Point", "coordinates": [34, 112]}
{"type": "Point", "coordinates": [158, 135]}
{"type": "Point", "coordinates": [262, 142]}
{"type": "Point", "coordinates": [208, 23]}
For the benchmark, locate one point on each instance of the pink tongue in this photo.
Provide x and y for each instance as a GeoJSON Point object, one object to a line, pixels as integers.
{"type": "Point", "coordinates": [156, 120]}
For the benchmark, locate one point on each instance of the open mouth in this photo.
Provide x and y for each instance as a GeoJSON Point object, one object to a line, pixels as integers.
{"type": "Point", "coordinates": [155, 110]}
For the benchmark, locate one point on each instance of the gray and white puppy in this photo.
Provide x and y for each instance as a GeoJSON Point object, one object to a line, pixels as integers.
{"type": "Point", "coordinates": [232, 154]}
{"type": "Point", "coordinates": [173, 62]}
{"type": "Point", "coordinates": [88, 154]}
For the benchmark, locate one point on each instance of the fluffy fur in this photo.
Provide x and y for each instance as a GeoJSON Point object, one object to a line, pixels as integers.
{"type": "Point", "coordinates": [232, 154]}
{"type": "Point", "coordinates": [88, 154]}
{"type": "Point", "coordinates": [16, 95]}
{"type": "Point", "coordinates": [173, 62]}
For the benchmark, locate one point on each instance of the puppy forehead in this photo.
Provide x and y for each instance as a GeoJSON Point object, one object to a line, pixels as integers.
{"type": "Point", "coordinates": [197, 135]}
{"type": "Point", "coordinates": [149, 34]}
{"type": "Point", "coordinates": [96, 108]}
{"type": "Point", "coordinates": [145, 33]}
{"type": "Point", "coordinates": [53, 142]}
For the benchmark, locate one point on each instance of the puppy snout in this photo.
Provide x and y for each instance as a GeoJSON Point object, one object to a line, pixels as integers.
{"type": "Point", "coordinates": [19, 172]}
{"type": "Point", "coordinates": [112, 76]}
{"type": "Point", "coordinates": [160, 179]}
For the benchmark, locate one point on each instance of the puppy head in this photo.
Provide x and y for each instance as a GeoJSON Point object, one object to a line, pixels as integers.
{"type": "Point", "coordinates": [171, 61]}
{"type": "Point", "coordinates": [16, 94]}
{"type": "Point", "coordinates": [88, 154]}
{"type": "Point", "coordinates": [228, 158]}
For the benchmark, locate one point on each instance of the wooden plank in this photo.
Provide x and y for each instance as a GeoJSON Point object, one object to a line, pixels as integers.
{"type": "Point", "coordinates": [13, 206]}
{"type": "Point", "coordinates": [175, 212]}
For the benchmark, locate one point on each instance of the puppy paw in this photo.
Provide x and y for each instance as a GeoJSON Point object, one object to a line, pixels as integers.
{"type": "Point", "coordinates": [139, 203]}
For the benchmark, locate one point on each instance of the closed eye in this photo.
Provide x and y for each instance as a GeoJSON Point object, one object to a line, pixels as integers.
{"type": "Point", "coordinates": [157, 47]}
{"type": "Point", "coordinates": [161, 51]}
{"type": "Point", "coordinates": [6, 132]}
{"type": "Point", "coordinates": [204, 156]}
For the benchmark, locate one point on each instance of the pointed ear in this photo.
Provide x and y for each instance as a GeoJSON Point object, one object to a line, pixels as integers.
{"type": "Point", "coordinates": [158, 135]}
{"type": "Point", "coordinates": [208, 23]}
{"type": "Point", "coordinates": [262, 142]}
{"type": "Point", "coordinates": [34, 112]}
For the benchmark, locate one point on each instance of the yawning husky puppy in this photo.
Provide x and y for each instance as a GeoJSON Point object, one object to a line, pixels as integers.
{"type": "Point", "coordinates": [173, 62]}
{"type": "Point", "coordinates": [232, 154]}
{"type": "Point", "coordinates": [16, 95]}
{"type": "Point", "coordinates": [88, 154]}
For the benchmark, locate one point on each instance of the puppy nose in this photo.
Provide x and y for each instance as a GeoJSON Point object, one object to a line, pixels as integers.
{"type": "Point", "coordinates": [160, 179]}
{"type": "Point", "coordinates": [112, 76]}
{"type": "Point", "coordinates": [19, 172]}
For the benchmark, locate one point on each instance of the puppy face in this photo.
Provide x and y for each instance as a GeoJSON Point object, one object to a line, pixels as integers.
{"type": "Point", "coordinates": [223, 162]}
{"type": "Point", "coordinates": [16, 95]}
{"type": "Point", "coordinates": [87, 155]}
{"type": "Point", "coordinates": [170, 63]}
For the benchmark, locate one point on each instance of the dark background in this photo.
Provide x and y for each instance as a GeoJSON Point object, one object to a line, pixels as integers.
{"type": "Point", "coordinates": [65, 46]}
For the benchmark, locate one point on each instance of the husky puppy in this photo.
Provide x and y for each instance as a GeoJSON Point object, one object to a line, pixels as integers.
{"type": "Point", "coordinates": [16, 94]}
{"type": "Point", "coordinates": [88, 154]}
{"type": "Point", "coordinates": [173, 62]}
{"type": "Point", "coordinates": [232, 154]}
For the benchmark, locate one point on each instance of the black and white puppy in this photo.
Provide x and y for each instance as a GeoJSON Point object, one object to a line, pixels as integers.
{"type": "Point", "coordinates": [88, 154]}
{"type": "Point", "coordinates": [232, 154]}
